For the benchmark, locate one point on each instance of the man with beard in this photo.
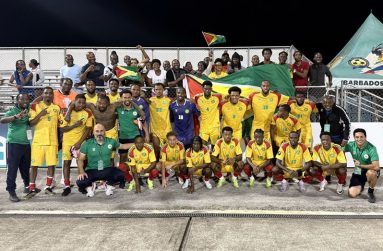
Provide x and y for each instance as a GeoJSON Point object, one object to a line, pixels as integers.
{"type": "Point", "coordinates": [302, 110]}
{"type": "Point", "coordinates": [18, 146]}
{"type": "Point", "coordinates": [91, 95]}
{"type": "Point", "coordinates": [92, 70]}
{"type": "Point", "coordinates": [44, 116]}
{"type": "Point", "coordinates": [98, 151]}
{"type": "Point", "coordinates": [64, 96]}
{"type": "Point", "coordinates": [113, 94]}
{"type": "Point", "coordinates": [110, 70]}
{"type": "Point", "coordinates": [264, 104]}
{"type": "Point", "coordinates": [181, 114]}
{"type": "Point", "coordinates": [140, 100]}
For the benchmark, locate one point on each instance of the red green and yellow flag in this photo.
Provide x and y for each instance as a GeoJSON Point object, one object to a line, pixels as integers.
{"type": "Point", "coordinates": [127, 72]}
{"type": "Point", "coordinates": [212, 39]}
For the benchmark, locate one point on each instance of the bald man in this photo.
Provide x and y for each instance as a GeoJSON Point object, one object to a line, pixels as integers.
{"type": "Point", "coordinates": [92, 70]}
{"type": "Point", "coordinates": [98, 152]}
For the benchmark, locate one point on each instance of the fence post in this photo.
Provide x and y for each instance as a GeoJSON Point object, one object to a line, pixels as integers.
{"type": "Point", "coordinates": [23, 53]}
{"type": "Point", "coordinates": [107, 58]}
{"type": "Point", "coordinates": [359, 104]}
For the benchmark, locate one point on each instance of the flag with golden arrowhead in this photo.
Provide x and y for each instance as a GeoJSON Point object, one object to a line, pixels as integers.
{"type": "Point", "coordinates": [212, 39]}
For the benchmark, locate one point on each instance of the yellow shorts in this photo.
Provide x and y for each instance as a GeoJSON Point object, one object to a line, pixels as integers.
{"type": "Point", "coordinates": [227, 169]}
{"type": "Point", "coordinates": [161, 136]}
{"type": "Point", "coordinates": [41, 153]}
{"type": "Point", "coordinates": [142, 166]}
{"type": "Point", "coordinates": [66, 154]}
{"type": "Point", "coordinates": [331, 172]}
{"type": "Point", "coordinates": [307, 137]}
{"type": "Point", "coordinates": [112, 133]}
{"type": "Point", "coordinates": [238, 134]}
{"type": "Point", "coordinates": [212, 133]}
{"type": "Point", "coordinates": [286, 175]}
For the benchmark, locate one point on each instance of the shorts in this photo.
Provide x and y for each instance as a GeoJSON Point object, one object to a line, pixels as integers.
{"type": "Point", "coordinates": [112, 133]}
{"type": "Point", "coordinates": [227, 169]}
{"type": "Point", "coordinates": [306, 137]}
{"type": "Point", "coordinates": [125, 141]}
{"type": "Point", "coordinates": [41, 153]}
{"type": "Point", "coordinates": [162, 139]}
{"type": "Point", "coordinates": [286, 175]}
{"type": "Point", "coordinates": [360, 180]}
{"type": "Point", "coordinates": [210, 133]}
{"type": "Point", "coordinates": [139, 167]}
{"type": "Point", "coordinates": [66, 153]}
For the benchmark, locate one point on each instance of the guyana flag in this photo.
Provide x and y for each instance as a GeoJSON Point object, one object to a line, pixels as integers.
{"type": "Point", "coordinates": [249, 80]}
{"type": "Point", "coordinates": [128, 72]}
{"type": "Point", "coordinates": [212, 39]}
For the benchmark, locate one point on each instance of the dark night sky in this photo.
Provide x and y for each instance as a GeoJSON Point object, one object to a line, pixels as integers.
{"type": "Point", "coordinates": [326, 27]}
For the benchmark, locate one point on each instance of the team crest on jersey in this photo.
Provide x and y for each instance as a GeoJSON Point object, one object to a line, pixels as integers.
{"type": "Point", "coordinates": [213, 101]}
{"type": "Point", "coordinates": [279, 152]}
{"type": "Point", "coordinates": [332, 155]}
{"type": "Point", "coordinates": [143, 154]}
{"type": "Point", "coordinates": [231, 147]}
{"type": "Point", "coordinates": [164, 102]}
{"type": "Point", "coordinates": [263, 149]}
{"type": "Point", "coordinates": [122, 112]}
{"type": "Point", "coordinates": [55, 110]}
{"type": "Point", "coordinates": [306, 109]}
{"type": "Point", "coordinates": [201, 154]}
{"type": "Point", "coordinates": [135, 113]}
{"type": "Point", "coordinates": [187, 111]}
{"type": "Point", "coordinates": [366, 156]}
{"type": "Point", "coordinates": [288, 124]}
{"type": "Point", "coordinates": [240, 109]}
{"type": "Point", "coordinates": [141, 106]}
{"type": "Point", "coordinates": [110, 146]}
{"type": "Point", "coordinates": [271, 99]}
{"type": "Point", "coordinates": [93, 149]}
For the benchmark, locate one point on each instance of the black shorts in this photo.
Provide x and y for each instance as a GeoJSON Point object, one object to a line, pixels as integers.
{"type": "Point", "coordinates": [360, 180]}
{"type": "Point", "coordinates": [124, 141]}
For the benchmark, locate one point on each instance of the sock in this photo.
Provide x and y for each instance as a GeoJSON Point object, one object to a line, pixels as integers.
{"type": "Point", "coordinates": [370, 190]}
{"type": "Point", "coordinates": [218, 174]}
{"type": "Point", "coordinates": [308, 179]}
{"type": "Point", "coordinates": [49, 181]}
{"type": "Point", "coordinates": [341, 179]}
{"type": "Point", "coordinates": [279, 177]}
{"type": "Point", "coordinates": [32, 187]}
{"type": "Point", "coordinates": [247, 170]}
{"type": "Point", "coordinates": [319, 176]}
{"type": "Point", "coordinates": [153, 174]}
{"type": "Point", "coordinates": [166, 174]}
{"type": "Point", "coordinates": [207, 178]}
{"type": "Point", "coordinates": [67, 182]}
{"type": "Point", "coordinates": [269, 171]}
{"type": "Point", "coordinates": [235, 174]}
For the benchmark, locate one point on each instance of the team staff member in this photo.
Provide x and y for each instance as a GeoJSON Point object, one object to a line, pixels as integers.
{"type": "Point", "coordinates": [18, 146]}
{"type": "Point", "coordinates": [160, 117]}
{"type": "Point", "coordinates": [227, 157]}
{"type": "Point", "coordinates": [264, 104]}
{"type": "Point", "coordinates": [259, 154]}
{"type": "Point", "coordinates": [98, 152]}
{"type": "Point", "coordinates": [208, 105]}
{"type": "Point", "coordinates": [233, 112]}
{"type": "Point", "coordinates": [172, 158]}
{"type": "Point", "coordinates": [74, 133]}
{"type": "Point", "coordinates": [182, 112]}
{"type": "Point", "coordinates": [44, 116]}
{"type": "Point", "coordinates": [334, 119]}
{"type": "Point", "coordinates": [367, 166]}
{"type": "Point", "coordinates": [141, 160]}
{"type": "Point", "coordinates": [329, 159]}
{"type": "Point", "coordinates": [198, 163]}
{"type": "Point", "coordinates": [290, 159]}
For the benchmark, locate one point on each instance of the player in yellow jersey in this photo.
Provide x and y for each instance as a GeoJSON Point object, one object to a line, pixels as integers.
{"type": "Point", "coordinates": [290, 159]}
{"type": "Point", "coordinates": [113, 94]}
{"type": "Point", "coordinates": [91, 95]}
{"type": "Point", "coordinates": [259, 155]}
{"type": "Point", "coordinates": [74, 133]}
{"type": "Point", "coordinates": [141, 160]}
{"type": "Point", "coordinates": [233, 112]}
{"type": "Point", "coordinates": [159, 117]}
{"type": "Point", "coordinates": [302, 110]}
{"type": "Point", "coordinates": [264, 104]}
{"type": "Point", "coordinates": [329, 159]}
{"type": "Point", "coordinates": [208, 105]}
{"type": "Point", "coordinates": [44, 116]}
{"type": "Point", "coordinates": [227, 157]}
{"type": "Point", "coordinates": [172, 158]}
{"type": "Point", "coordinates": [198, 163]}
{"type": "Point", "coordinates": [282, 124]}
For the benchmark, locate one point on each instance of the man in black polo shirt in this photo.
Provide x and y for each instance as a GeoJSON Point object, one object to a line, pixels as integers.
{"type": "Point", "coordinates": [92, 70]}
